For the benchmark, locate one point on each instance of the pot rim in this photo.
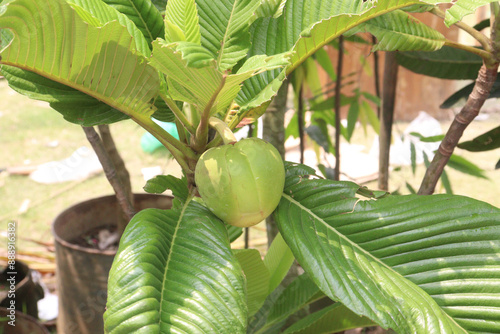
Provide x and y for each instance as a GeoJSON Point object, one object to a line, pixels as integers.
{"type": "Point", "coordinates": [90, 200]}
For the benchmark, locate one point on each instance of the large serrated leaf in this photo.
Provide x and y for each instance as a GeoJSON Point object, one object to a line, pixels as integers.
{"type": "Point", "coordinates": [446, 63]}
{"type": "Point", "coordinates": [61, 98]}
{"type": "Point", "coordinates": [385, 258]}
{"type": "Point", "coordinates": [100, 62]}
{"type": "Point", "coordinates": [144, 15]}
{"type": "Point", "coordinates": [198, 81]}
{"type": "Point", "coordinates": [175, 272]}
{"type": "Point", "coordinates": [303, 28]}
{"type": "Point", "coordinates": [181, 22]}
{"type": "Point", "coordinates": [462, 8]}
{"type": "Point", "coordinates": [75, 106]}
{"type": "Point", "coordinates": [224, 29]}
{"type": "Point", "coordinates": [103, 14]}
{"type": "Point", "coordinates": [398, 31]}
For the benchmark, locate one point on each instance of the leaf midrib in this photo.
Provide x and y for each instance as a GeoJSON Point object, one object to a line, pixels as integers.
{"type": "Point", "coordinates": [225, 37]}
{"type": "Point", "coordinates": [174, 236]}
{"type": "Point", "coordinates": [415, 287]}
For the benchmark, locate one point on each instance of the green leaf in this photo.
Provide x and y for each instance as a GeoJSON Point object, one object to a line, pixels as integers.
{"type": "Point", "coordinates": [465, 166]}
{"type": "Point", "coordinates": [271, 8]}
{"type": "Point", "coordinates": [234, 232]}
{"type": "Point", "coordinates": [175, 272]}
{"type": "Point", "coordinates": [445, 63]}
{"type": "Point", "coordinates": [413, 158]}
{"type": "Point", "coordinates": [331, 319]}
{"type": "Point", "coordinates": [257, 323]}
{"type": "Point", "coordinates": [304, 27]}
{"type": "Point", "coordinates": [371, 115]}
{"type": "Point", "coordinates": [160, 183]}
{"type": "Point", "coordinates": [385, 258]}
{"type": "Point", "coordinates": [224, 29]}
{"type": "Point", "coordinates": [98, 12]}
{"type": "Point", "coordinates": [318, 134]}
{"type": "Point", "coordinates": [75, 106]}
{"type": "Point", "coordinates": [61, 98]}
{"type": "Point", "coordinates": [278, 260]}
{"type": "Point", "coordinates": [398, 31]}
{"type": "Point", "coordinates": [144, 15]}
{"type": "Point", "coordinates": [459, 98]}
{"type": "Point", "coordinates": [257, 278]}
{"type": "Point", "coordinates": [352, 119]}
{"type": "Point", "coordinates": [193, 77]}
{"type": "Point", "coordinates": [299, 293]}
{"type": "Point", "coordinates": [482, 25]}
{"type": "Point", "coordinates": [486, 142]}
{"type": "Point", "coordinates": [429, 139]}
{"type": "Point", "coordinates": [462, 8]}
{"type": "Point", "coordinates": [325, 62]}
{"type": "Point", "coordinates": [446, 182]}
{"type": "Point", "coordinates": [100, 62]}
{"type": "Point", "coordinates": [182, 16]}
{"type": "Point", "coordinates": [160, 5]}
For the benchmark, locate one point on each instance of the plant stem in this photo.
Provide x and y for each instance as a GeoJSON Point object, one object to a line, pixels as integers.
{"type": "Point", "coordinates": [338, 86]}
{"type": "Point", "coordinates": [179, 115]}
{"type": "Point", "coordinates": [201, 137]}
{"type": "Point", "coordinates": [223, 130]}
{"type": "Point", "coordinates": [386, 118]}
{"type": "Point", "coordinates": [179, 151]}
{"type": "Point", "coordinates": [487, 56]}
{"type": "Point", "coordinates": [485, 80]}
{"type": "Point", "coordinates": [110, 172]}
{"type": "Point", "coordinates": [495, 29]}
{"type": "Point", "coordinates": [477, 35]}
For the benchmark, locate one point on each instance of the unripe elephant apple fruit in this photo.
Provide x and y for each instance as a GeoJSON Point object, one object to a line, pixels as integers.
{"type": "Point", "coordinates": [241, 183]}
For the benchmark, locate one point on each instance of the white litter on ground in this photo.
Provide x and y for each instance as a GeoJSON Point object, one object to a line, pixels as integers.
{"type": "Point", "coordinates": [82, 164]}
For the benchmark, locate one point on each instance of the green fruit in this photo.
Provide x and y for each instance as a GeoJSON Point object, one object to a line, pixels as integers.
{"type": "Point", "coordinates": [241, 183]}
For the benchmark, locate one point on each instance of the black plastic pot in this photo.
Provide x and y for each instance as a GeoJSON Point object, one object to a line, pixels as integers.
{"type": "Point", "coordinates": [27, 292]}
{"type": "Point", "coordinates": [14, 322]}
{"type": "Point", "coordinates": [82, 273]}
